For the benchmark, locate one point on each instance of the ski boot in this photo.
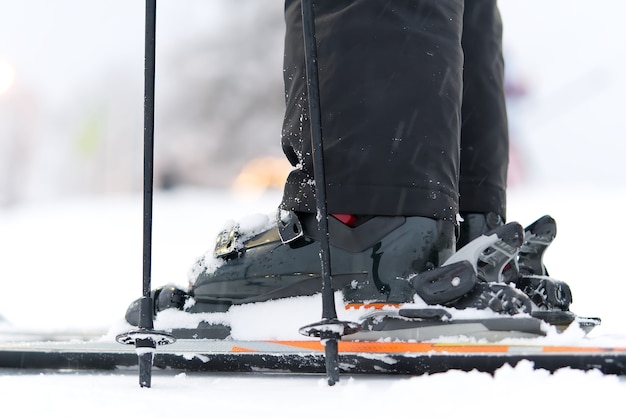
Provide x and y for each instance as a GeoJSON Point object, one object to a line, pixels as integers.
{"type": "Point", "coordinates": [476, 224]}
{"type": "Point", "coordinates": [505, 272]}
{"type": "Point", "coordinates": [471, 278]}
{"type": "Point", "coordinates": [372, 257]}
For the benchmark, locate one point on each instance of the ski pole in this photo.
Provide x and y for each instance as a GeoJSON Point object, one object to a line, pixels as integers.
{"type": "Point", "coordinates": [146, 339]}
{"type": "Point", "coordinates": [145, 312]}
{"type": "Point", "coordinates": [330, 329]}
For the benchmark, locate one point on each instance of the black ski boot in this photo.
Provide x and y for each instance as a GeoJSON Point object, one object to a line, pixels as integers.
{"type": "Point", "coordinates": [476, 224]}
{"type": "Point", "coordinates": [472, 278]}
{"type": "Point", "coordinates": [371, 262]}
{"type": "Point", "coordinates": [484, 274]}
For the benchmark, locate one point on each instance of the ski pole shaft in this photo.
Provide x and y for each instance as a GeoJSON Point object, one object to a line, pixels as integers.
{"type": "Point", "coordinates": [148, 142]}
{"type": "Point", "coordinates": [329, 311]}
{"type": "Point", "coordinates": [146, 339]}
{"type": "Point", "coordinates": [146, 346]}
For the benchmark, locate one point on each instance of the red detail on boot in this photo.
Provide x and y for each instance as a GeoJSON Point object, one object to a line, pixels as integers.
{"type": "Point", "coordinates": [347, 219]}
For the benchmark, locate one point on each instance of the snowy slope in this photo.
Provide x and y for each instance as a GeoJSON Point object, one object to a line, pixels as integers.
{"type": "Point", "coordinates": [85, 255]}
{"type": "Point", "coordinates": [77, 265]}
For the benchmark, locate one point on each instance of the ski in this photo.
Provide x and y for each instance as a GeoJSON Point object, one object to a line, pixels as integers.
{"type": "Point", "coordinates": [307, 356]}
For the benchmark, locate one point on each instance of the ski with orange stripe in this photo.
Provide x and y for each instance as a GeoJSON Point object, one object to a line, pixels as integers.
{"type": "Point", "coordinates": [307, 356]}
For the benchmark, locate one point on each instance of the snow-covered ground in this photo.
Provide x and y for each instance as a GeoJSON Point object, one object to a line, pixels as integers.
{"type": "Point", "coordinates": [77, 264]}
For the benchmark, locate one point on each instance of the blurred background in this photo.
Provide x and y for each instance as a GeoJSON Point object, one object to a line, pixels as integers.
{"type": "Point", "coordinates": [71, 95]}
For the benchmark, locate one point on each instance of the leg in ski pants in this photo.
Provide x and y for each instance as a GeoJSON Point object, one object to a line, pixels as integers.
{"type": "Point", "coordinates": [412, 103]}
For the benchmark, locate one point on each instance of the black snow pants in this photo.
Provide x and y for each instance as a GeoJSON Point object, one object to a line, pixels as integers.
{"type": "Point", "coordinates": [413, 113]}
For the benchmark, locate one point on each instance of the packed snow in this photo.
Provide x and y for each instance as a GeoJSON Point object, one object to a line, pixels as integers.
{"type": "Point", "coordinates": [76, 265]}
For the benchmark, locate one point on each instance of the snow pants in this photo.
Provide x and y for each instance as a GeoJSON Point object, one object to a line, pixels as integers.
{"type": "Point", "coordinates": [413, 112]}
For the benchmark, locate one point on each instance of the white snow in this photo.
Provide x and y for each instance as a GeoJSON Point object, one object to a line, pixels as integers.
{"type": "Point", "coordinates": [515, 392]}
{"type": "Point", "coordinates": [74, 265]}
{"type": "Point", "coordinates": [77, 265]}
